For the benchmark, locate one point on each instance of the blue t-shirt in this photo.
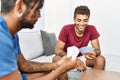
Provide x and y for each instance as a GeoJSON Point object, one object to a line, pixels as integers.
{"type": "Point", "coordinates": [9, 50]}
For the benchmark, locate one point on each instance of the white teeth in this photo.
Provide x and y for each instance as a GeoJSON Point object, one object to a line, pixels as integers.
{"type": "Point", "coordinates": [81, 27]}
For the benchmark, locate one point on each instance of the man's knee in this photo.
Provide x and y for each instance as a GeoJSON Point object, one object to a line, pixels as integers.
{"type": "Point", "coordinates": [100, 59]}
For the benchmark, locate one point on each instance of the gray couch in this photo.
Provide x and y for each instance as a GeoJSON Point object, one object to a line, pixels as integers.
{"type": "Point", "coordinates": [39, 46]}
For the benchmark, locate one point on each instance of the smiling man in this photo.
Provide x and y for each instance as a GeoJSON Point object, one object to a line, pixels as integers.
{"type": "Point", "coordinates": [80, 34]}
{"type": "Point", "coordinates": [16, 15]}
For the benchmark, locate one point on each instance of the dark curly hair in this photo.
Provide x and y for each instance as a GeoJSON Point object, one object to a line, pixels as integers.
{"type": "Point", "coordinates": [8, 6]}
{"type": "Point", "coordinates": [82, 10]}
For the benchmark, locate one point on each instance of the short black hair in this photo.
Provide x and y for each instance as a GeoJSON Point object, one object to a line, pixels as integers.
{"type": "Point", "coordinates": [8, 6]}
{"type": "Point", "coordinates": [82, 10]}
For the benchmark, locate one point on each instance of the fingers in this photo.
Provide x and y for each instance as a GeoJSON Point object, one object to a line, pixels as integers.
{"type": "Point", "coordinates": [90, 55]}
{"type": "Point", "coordinates": [68, 64]}
{"type": "Point", "coordinates": [80, 65]}
{"type": "Point", "coordinates": [81, 68]}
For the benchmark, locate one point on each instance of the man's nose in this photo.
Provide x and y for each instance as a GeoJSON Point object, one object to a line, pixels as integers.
{"type": "Point", "coordinates": [81, 23]}
{"type": "Point", "coordinates": [38, 14]}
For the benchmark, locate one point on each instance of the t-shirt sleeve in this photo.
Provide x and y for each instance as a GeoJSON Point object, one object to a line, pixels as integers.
{"type": "Point", "coordinates": [63, 35]}
{"type": "Point", "coordinates": [94, 33]}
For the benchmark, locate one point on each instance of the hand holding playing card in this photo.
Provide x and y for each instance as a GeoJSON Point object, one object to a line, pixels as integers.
{"type": "Point", "coordinates": [88, 52]}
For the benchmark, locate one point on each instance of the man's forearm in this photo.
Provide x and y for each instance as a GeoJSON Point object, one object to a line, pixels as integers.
{"type": "Point", "coordinates": [30, 66]}
{"type": "Point", "coordinates": [53, 75]}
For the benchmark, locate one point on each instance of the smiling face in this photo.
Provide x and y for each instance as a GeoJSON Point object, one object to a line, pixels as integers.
{"type": "Point", "coordinates": [81, 21]}
{"type": "Point", "coordinates": [81, 18]}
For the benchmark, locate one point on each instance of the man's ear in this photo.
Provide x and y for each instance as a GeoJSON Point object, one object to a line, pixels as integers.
{"type": "Point", "coordinates": [20, 6]}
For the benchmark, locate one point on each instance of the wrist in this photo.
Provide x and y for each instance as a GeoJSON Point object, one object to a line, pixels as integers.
{"type": "Point", "coordinates": [56, 65]}
{"type": "Point", "coordinates": [62, 53]}
{"type": "Point", "coordinates": [97, 51]}
{"type": "Point", "coordinates": [61, 69]}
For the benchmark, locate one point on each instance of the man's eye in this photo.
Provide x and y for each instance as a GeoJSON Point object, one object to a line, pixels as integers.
{"type": "Point", "coordinates": [86, 20]}
{"type": "Point", "coordinates": [78, 20]}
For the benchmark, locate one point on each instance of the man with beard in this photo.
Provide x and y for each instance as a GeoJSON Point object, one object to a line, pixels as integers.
{"type": "Point", "coordinates": [16, 15]}
{"type": "Point", "coordinates": [80, 34]}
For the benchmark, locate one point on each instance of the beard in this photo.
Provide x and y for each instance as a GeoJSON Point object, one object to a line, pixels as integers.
{"type": "Point", "coordinates": [23, 23]}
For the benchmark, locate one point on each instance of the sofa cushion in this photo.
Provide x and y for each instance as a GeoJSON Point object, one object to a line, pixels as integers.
{"type": "Point", "coordinates": [44, 58]}
{"type": "Point", "coordinates": [31, 44]}
{"type": "Point", "coordinates": [49, 42]}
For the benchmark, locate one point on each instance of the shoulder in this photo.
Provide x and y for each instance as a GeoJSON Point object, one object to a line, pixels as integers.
{"type": "Point", "coordinates": [66, 30]}
{"type": "Point", "coordinates": [68, 26]}
{"type": "Point", "coordinates": [91, 27]}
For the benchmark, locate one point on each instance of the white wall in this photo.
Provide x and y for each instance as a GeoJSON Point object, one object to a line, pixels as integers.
{"type": "Point", "coordinates": [56, 14]}
{"type": "Point", "coordinates": [104, 15]}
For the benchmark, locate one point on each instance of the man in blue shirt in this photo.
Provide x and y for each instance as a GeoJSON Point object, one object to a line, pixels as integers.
{"type": "Point", "coordinates": [16, 15]}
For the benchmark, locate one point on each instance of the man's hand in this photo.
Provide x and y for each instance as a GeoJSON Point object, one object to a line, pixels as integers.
{"type": "Point", "coordinates": [67, 63]}
{"type": "Point", "coordinates": [80, 65]}
{"type": "Point", "coordinates": [61, 60]}
{"type": "Point", "coordinates": [90, 55]}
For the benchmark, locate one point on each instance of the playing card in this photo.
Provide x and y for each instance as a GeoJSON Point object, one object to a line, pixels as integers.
{"type": "Point", "coordinates": [83, 50]}
{"type": "Point", "coordinates": [72, 52]}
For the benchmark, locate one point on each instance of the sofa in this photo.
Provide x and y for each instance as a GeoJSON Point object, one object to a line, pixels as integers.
{"type": "Point", "coordinates": [39, 46]}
